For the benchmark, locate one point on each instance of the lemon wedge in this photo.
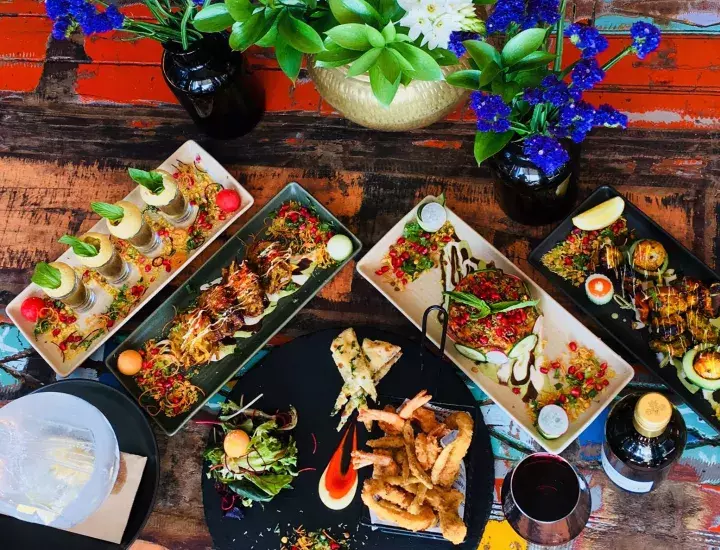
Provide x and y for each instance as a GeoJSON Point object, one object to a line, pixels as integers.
{"type": "Point", "coordinates": [600, 216]}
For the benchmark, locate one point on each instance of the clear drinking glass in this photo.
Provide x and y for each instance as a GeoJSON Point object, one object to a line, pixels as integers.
{"type": "Point", "coordinates": [115, 270]}
{"type": "Point", "coordinates": [546, 500]}
{"type": "Point", "coordinates": [178, 209]}
{"type": "Point", "coordinates": [145, 240]}
{"type": "Point", "coordinates": [80, 298]}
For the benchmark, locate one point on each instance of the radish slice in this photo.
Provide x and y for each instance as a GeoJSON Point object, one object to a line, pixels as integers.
{"type": "Point", "coordinates": [497, 357]}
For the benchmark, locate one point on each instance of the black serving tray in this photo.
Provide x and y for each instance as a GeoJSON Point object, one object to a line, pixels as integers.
{"type": "Point", "coordinates": [302, 373]}
{"type": "Point", "coordinates": [215, 375]}
{"type": "Point", "coordinates": [635, 342]}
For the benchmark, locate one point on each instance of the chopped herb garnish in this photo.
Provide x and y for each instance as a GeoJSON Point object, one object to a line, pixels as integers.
{"type": "Point", "coordinates": [472, 301]}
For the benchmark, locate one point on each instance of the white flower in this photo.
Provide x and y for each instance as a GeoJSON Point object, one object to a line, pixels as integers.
{"type": "Point", "coordinates": [442, 28]}
{"type": "Point", "coordinates": [436, 20]}
{"type": "Point", "coordinates": [410, 5]}
{"type": "Point", "coordinates": [417, 22]}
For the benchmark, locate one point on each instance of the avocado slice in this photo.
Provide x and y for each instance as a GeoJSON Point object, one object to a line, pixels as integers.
{"type": "Point", "coordinates": [703, 359]}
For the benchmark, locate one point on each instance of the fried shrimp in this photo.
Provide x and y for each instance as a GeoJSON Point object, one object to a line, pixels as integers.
{"type": "Point", "coordinates": [387, 511]}
{"type": "Point", "coordinates": [427, 420]}
{"type": "Point", "coordinates": [387, 419]}
{"type": "Point", "coordinates": [391, 493]}
{"type": "Point", "coordinates": [446, 502]}
{"type": "Point", "coordinates": [415, 467]}
{"type": "Point", "coordinates": [447, 466]}
{"type": "Point", "coordinates": [420, 400]}
{"type": "Point", "coordinates": [382, 470]}
{"type": "Point", "coordinates": [427, 450]}
{"type": "Point", "coordinates": [360, 459]}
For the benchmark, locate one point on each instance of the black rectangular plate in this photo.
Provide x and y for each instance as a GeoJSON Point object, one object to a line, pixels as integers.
{"type": "Point", "coordinates": [214, 376]}
{"type": "Point", "coordinates": [634, 341]}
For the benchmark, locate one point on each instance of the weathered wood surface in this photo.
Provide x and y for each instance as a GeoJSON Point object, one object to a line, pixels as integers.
{"type": "Point", "coordinates": [55, 158]}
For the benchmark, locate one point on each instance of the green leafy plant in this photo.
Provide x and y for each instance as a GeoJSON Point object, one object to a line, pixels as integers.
{"type": "Point", "coordinates": [365, 36]}
{"type": "Point", "coordinates": [520, 89]}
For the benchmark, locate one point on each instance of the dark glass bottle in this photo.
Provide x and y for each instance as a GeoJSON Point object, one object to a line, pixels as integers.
{"type": "Point", "coordinates": [526, 194]}
{"type": "Point", "coordinates": [212, 82]}
{"type": "Point", "coordinates": [644, 435]}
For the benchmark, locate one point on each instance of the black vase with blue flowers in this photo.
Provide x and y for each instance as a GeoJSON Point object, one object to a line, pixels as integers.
{"type": "Point", "coordinates": [209, 79]}
{"type": "Point", "coordinates": [531, 116]}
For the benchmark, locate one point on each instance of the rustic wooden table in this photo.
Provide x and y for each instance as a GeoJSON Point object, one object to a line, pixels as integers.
{"type": "Point", "coordinates": [56, 157]}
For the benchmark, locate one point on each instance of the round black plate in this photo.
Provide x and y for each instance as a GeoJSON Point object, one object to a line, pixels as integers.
{"type": "Point", "coordinates": [302, 373]}
{"type": "Point", "coordinates": [134, 436]}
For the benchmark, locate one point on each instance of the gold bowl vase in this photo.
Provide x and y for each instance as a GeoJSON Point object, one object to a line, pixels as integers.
{"type": "Point", "coordinates": [416, 105]}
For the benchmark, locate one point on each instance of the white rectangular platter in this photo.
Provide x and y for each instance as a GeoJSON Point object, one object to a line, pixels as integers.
{"type": "Point", "coordinates": [189, 152]}
{"type": "Point", "coordinates": [560, 328]}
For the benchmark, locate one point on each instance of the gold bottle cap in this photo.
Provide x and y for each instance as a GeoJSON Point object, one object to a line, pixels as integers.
{"type": "Point", "coordinates": [652, 414]}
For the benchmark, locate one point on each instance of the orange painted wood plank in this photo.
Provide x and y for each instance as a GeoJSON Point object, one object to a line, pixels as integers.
{"type": "Point", "coordinates": [24, 38]}
{"type": "Point", "coordinates": [656, 110]}
{"type": "Point", "coordinates": [22, 7]}
{"type": "Point", "coordinates": [19, 76]}
{"type": "Point", "coordinates": [122, 84]}
{"type": "Point", "coordinates": [281, 95]}
{"type": "Point", "coordinates": [116, 48]}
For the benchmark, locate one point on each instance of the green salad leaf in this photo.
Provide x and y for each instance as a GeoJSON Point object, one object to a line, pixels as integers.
{"type": "Point", "coordinates": [271, 462]}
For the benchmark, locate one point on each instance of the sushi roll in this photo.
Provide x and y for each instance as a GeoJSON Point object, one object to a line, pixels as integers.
{"type": "Point", "coordinates": [599, 289]}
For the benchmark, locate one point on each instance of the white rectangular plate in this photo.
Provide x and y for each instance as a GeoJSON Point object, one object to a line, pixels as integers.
{"type": "Point", "coordinates": [560, 328]}
{"type": "Point", "coordinates": [187, 153]}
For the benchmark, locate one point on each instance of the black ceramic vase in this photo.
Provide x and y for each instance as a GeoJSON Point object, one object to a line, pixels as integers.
{"type": "Point", "coordinates": [529, 196]}
{"type": "Point", "coordinates": [213, 84]}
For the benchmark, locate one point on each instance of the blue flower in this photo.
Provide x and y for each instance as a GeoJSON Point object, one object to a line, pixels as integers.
{"type": "Point", "coordinates": [523, 13]}
{"type": "Point", "coordinates": [646, 38]}
{"type": "Point", "coordinates": [66, 13]}
{"type": "Point", "coordinates": [492, 112]}
{"type": "Point", "coordinates": [114, 17]}
{"type": "Point", "coordinates": [56, 9]}
{"type": "Point", "coordinates": [556, 92]}
{"type": "Point", "coordinates": [605, 115]}
{"type": "Point", "coordinates": [541, 11]}
{"type": "Point", "coordinates": [505, 13]}
{"type": "Point", "coordinates": [457, 38]}
{"type": "Point", "coordinates": [587, 39]}
{"type": "Point", "coordinates": [546, 153]}
{"type": "Point", "coordinates": [533, 96]}
{"type": "Point", "coordinates": [575, 120]}
{"type": "Point", "coordinates": [586, 74]}
{"type": "Point", "coordinates": [60, 27]}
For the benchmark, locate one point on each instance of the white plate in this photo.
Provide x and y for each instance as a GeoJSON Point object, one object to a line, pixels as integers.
{"type": "Point", "coordinates": [187, 153]}
{"type": "Point", "coordinates": [560, 327]}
